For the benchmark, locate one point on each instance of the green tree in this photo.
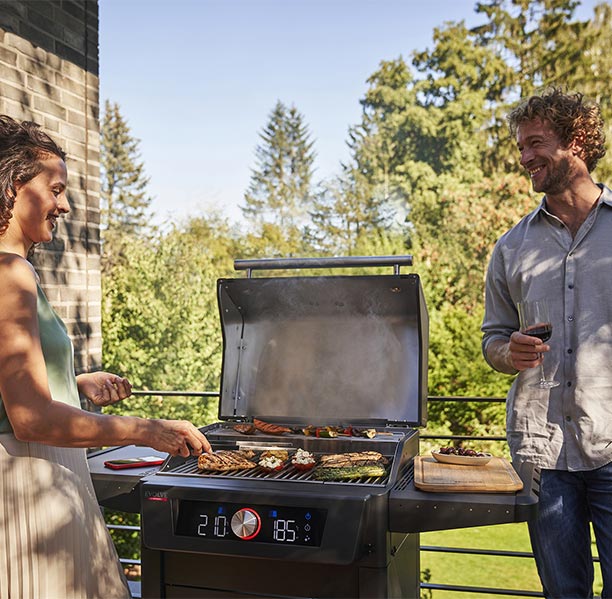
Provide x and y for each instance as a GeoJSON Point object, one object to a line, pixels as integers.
{"type": "Point", "coordinates": [280, 189]}
{"type": "Point", "coordinates": [345, 212]}
{"type": "Point", "coordinates": [160, 315]}
{"type": "Point", "coordinates": [125, 203]}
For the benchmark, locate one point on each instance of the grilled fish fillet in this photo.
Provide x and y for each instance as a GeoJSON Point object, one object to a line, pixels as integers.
{"type": "Point", "coordinates": [352, 459]}
{"type": "Point", "coordinates": [226, 460]}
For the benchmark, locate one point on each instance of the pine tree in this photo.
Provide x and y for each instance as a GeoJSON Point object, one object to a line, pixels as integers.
{"type": "Point", "coordinates": [280, 189]}
{"type": "Point", "coordinates": [125, 203]}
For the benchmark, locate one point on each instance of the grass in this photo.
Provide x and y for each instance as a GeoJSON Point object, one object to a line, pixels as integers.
{"type": "Point", "coordinates": [516, 573]}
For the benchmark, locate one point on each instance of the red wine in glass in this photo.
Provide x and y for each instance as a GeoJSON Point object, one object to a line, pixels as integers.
{"type": "Point", "coordinates": [535, 322]}
{"type": "Point", "coordinates": [542, 331]}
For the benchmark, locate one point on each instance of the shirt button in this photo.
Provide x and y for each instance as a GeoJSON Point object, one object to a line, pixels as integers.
{"type": "Point", "coordinates": [570, 286]}
{"type": "Point", "coordinates": [568, 418]}
{"type": "Point", "coordinates": [570, 351]}
{"type": "Point", "coordinates": [570, 318]}
{"type": "Point", "coordinates": [569, 383]}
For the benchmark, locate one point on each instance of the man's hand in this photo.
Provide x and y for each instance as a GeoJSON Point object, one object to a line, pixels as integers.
{"type": "Point", "coordinates": [519, 353]}
{"type": "Point", "coordinates": [103, 388]}
{"type": "Point", "coordinates": [526, 351]}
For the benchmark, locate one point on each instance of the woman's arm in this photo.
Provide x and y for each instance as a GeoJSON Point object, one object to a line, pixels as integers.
{"type": "Point", "coordinates": [25, 393]}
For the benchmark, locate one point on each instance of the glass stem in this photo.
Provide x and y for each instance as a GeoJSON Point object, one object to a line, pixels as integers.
{"type": "Point", "coordinates": [542, 377]}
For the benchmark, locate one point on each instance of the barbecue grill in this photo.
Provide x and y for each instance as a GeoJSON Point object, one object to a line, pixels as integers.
{"type": "Point", "coordinates": [308, 353]}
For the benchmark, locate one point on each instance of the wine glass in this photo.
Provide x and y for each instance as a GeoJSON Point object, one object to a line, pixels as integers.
{"type": "Point", "coordinates": [535, 322]}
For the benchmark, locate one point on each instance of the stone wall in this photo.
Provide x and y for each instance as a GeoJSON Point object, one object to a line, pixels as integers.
{"type": "Point", "coordinates": [49, 74]}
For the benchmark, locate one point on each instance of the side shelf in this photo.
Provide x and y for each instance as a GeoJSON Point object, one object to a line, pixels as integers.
{"type": "Point", "coordinates": [412, 510]}
{"type": "Point", "coordinates": [119, 489]}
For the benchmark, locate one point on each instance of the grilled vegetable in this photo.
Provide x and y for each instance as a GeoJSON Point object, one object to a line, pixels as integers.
{"type": "Point", "coordinates": [303, 460]}
{"type": "Point", "coordinates": [349, 473]}
{"type": "Point", "coordinates": [273, 459]}
{"type": "Point", "coordinates": [369, 433]}
{"type": "Point", "coordinates": [326, 432]}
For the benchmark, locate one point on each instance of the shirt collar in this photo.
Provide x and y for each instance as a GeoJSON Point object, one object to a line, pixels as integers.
{"type": "Point", "coordinates": [604, 198]}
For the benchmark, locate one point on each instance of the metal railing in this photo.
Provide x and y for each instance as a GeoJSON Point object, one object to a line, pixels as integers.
{"type": "Point", "coordinates": [427, 585]}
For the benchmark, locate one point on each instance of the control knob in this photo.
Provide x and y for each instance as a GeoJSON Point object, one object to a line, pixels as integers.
{"type": "Point", "coordinates": [246, 523]}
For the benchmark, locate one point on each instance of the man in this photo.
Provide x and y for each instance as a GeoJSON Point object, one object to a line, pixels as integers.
{"type": "Point", "coordinates": [561, 252]}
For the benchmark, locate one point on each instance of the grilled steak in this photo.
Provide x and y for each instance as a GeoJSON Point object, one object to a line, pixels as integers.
{"type": "Point", "coordinates": [245, 429]}
{"type": "Point", "coordinates": [270, 429]}
{"type": "Point", "coordinates": [226, 460]}
{"type": "Point", "coordinates": [353, 459]}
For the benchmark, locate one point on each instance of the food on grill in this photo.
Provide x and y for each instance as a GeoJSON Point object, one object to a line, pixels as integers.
{"type": "Point", "coordinates": [273, 459]}
{"type": "Point", "coordinates": [226, 460]}
{"type": "Point", "coordinates": [350, 472]}
{"type": "Point", "coordinates": [353, 459]}
{"type": "Point", "coordinates": [349, 431]}
{"type": "Point", "coordinates": [325, 432]}
{"type": "Point", "coordinates": [303, 460]}
{"type": "Point", "coordinates": [351, 466]}
{"type": "Point", "coordinates": [270, 429]}
{"type": "Point", "coordinates": [369, 433]}
{"type": "Point", "coordinates": [461, 451]}
{"type": "Point", "coordinates": [245, 429]}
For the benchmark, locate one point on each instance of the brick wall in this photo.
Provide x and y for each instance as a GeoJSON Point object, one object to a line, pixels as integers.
{"type": "Point", "coordinates": [49, 74]}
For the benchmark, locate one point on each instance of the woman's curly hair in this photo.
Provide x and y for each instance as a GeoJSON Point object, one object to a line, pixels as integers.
{"type": "Point", "coordinates": [22, 147]}
{"type": "Point", "coordinates": [571, 118]}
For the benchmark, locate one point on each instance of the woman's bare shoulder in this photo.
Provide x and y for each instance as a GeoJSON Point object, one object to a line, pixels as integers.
{"type": "Point", "coordinates": [16, 271]}
{"type": "Point", "coordinates": [18, 282]}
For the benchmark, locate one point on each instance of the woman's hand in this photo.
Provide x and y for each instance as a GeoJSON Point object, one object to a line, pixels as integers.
{"type": "Point", "coordinates": [178, 437]}
{"type": "Point", "coordinates": [103, 388]}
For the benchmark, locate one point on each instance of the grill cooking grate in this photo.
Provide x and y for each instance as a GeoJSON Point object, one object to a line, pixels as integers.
{"type": "Point", "coordinates": [288, 473]}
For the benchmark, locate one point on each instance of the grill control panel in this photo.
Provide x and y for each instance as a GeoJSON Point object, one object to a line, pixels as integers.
{"type": "Point", "coordinates": [257, 523]}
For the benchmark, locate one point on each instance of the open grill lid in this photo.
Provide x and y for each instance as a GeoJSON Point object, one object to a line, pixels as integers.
{"type": "Point", "coordinates": [324, 349]}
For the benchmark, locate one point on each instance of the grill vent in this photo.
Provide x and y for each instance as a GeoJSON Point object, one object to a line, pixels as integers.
{"type": "Point", "coordinates": [405, 477]}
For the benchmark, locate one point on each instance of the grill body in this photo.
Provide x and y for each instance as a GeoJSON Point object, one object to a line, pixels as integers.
{"type": "Point", "coordinates": [352, 552]}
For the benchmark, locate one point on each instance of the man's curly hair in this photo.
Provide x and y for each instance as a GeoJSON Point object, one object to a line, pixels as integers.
{"type": "Point", "coordinates": [22, 148]}
{"type": "Point", "coordinates": [571, 117]}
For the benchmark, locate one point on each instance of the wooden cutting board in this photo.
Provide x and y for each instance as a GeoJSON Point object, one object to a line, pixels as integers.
{"type": "Point", "coordinates": [497, 476]}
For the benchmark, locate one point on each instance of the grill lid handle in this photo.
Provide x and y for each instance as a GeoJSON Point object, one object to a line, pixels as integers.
{"type": "Point", "coordinates": [334, 262]}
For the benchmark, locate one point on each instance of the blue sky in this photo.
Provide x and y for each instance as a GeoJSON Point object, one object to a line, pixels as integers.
{"type": "Point", "coordinates": [197, 79]}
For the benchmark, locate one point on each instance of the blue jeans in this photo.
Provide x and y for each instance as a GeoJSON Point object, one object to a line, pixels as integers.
{"type": "Point", "coordinates": [561, 537]}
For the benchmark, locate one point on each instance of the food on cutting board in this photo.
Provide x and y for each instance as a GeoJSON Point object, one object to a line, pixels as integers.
{"type": "Point", "coordinates": [462, 451]}
{"type": "Point", "coordinates": [226, 460]}
{"type": "Point", "coordinates": [270, 429]}
{"type": "Point", "coordinates": [245, 429]}
{"type": "Point", "coordinates": [351, 466]}
{"type": "Point", "coordinates": [303, 460]}
{"type": "Point", "coordinates": [273, 459]}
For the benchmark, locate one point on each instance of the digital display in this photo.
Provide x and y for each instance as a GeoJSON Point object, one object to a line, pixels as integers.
{"type": "Point", "coordinates": [260, 523]}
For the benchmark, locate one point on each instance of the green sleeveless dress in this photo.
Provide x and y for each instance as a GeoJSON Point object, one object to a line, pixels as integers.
{"type": "Point", "coordinates": [54, 539]}
{"type": "Point", "coordinates": [59, 358]}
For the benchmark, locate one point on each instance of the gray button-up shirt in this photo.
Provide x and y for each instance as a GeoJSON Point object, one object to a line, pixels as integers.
{"type": "Point", "coordinates": [568, 427]}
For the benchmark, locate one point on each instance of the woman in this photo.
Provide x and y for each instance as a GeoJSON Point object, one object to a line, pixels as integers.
{"type": "Point", "coordinates": [54, 541]}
